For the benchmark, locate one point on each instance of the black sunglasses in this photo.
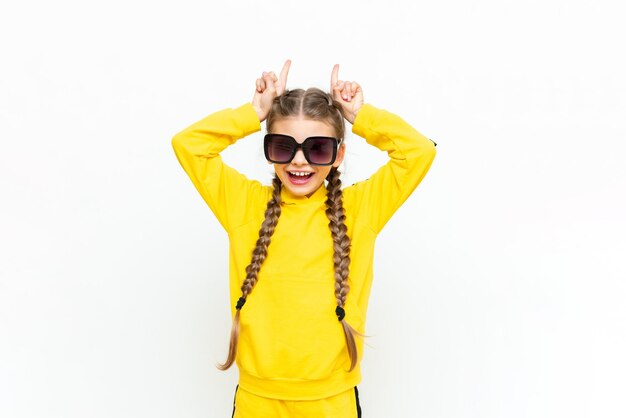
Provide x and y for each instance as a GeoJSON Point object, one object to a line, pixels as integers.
{"type": "Point", "coordinates": [318, 150]}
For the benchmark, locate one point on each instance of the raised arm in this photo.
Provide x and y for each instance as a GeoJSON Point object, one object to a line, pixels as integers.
{"type": "Point", "coordinates": [198, 148]}
{"type": "Point", "coordinates": [231, 196]}
{"type": "Point", "coordinates": [410, 155]}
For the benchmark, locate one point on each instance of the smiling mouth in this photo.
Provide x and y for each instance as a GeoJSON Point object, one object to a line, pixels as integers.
{"type": "Point", "coordinates": [300, 173]}
{"type": "Point", "coordinates": [299, 177]}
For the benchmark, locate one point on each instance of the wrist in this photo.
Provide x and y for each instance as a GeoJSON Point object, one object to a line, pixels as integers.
{"type": "Point", "coordinates": [351, 116]}
{"type": "Point", "coordinates": [259, 113]}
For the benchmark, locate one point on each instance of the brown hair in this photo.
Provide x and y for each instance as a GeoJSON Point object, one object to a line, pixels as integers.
{"type": "Point", "coordinates": [315, 104]}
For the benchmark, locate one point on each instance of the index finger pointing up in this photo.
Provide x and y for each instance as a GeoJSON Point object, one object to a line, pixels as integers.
{"type": "Point", "coordinates": [284, 72]}
{"type": "Point", "coordinates": [334, 77]}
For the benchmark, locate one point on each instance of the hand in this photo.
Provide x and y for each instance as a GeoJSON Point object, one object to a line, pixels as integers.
{"type": "Point", "coordinates": [348, 94]}
{"type": "Point", "coordinates": [268, 87]}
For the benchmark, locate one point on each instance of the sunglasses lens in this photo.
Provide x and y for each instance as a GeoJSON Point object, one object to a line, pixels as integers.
{"type": "Point", "coordinates": [279, 149]}
{"type": "Point", "coordinates": [320, 150]}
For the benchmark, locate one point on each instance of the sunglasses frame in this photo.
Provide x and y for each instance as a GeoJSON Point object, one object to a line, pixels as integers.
{"type": "Point", "coordinates": [294, 148]}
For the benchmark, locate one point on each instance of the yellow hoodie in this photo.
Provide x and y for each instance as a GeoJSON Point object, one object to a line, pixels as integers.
{"type": "Point", "coordinates": [291, 344]}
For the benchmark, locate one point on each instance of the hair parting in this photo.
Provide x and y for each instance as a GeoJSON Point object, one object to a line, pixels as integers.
{"type": "Point", "coordinates": [312, 103]}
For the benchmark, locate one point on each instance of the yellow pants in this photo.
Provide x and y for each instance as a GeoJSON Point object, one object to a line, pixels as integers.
{"type": "Point", "coordinates": [343, 405]}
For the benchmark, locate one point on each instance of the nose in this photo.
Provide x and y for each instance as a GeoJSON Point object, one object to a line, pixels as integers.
{"type": "Point", "coordinates": [299, 159]}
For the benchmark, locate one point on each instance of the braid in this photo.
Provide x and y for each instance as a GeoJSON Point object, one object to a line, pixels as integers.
{"type": "Point", "coordinates": [272, 213]}
{"type": "Point", "coordinates": [341, 257]}
{"type": "Point", "coordinates": [267, 230]}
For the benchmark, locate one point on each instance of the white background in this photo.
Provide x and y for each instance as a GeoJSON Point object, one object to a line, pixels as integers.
{"type": "Point", "coordinates": [499, 286]}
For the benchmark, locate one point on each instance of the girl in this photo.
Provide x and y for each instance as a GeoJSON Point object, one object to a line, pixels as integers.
{"type": "Point", "coordinates": [297, 343]}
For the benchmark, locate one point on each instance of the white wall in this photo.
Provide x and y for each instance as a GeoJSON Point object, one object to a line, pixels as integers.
{"type": "Point", "coordinates": [499, 285]}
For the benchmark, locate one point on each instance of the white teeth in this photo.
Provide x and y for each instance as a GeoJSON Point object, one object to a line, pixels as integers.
{"type": "Point", "coordinates": [299, 173]}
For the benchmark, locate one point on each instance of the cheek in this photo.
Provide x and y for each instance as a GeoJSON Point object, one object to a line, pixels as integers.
{"type": "Point", "coordinates": [323, 172]}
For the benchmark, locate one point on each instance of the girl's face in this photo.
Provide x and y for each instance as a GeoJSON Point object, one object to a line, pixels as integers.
{"type": "Point", "coordinates": [300, 129]}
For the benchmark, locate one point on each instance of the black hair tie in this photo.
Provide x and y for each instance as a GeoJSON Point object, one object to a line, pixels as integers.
{"type": "Point", "coordinates": [241, 302]}
{"type": "Point", "coordinates": [340, 313]}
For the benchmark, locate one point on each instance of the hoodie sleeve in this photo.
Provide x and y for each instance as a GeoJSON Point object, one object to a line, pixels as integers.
{"type": "Point", "coordinates": [230, 195]}
{"type": "Point", "coordinates": [410, 157]}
